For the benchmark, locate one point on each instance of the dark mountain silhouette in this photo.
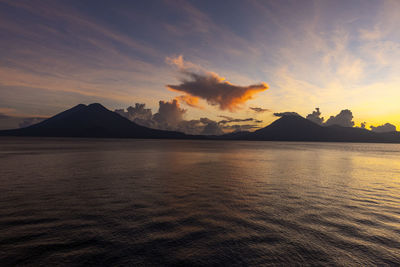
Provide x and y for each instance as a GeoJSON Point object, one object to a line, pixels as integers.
{"type": "Point", "coordinates": [296, 128]}
{"type": "Point", "coordinates": [289, 128]}
{"type": "Point", "coordinates": [92, 120]}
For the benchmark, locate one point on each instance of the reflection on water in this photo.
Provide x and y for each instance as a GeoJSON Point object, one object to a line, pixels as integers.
{"type": "Point", "coordinates": [152, 202]}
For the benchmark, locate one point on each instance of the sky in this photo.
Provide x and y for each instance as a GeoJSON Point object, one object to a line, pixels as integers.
{"type": "Point", "coordinates": [216, 60]}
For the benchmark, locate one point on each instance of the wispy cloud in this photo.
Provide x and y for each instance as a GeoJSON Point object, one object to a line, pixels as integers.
{"type": "Point", "coordinates": [259, 110]}
{"type": "Point", "coordinates": [57, 48]}
{"type": "Point", "coordinates": [331, 54]}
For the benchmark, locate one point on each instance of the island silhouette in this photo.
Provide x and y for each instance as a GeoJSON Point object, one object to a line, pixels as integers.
{"type": "Point", "coordinates": [95, 120]}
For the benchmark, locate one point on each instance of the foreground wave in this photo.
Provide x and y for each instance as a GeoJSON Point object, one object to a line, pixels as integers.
{"type": "Point", "coordinates": [137, 202]}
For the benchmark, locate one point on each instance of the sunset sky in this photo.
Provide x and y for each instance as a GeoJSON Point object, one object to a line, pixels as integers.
{"type": "Point", "coordinates": [214, 58]}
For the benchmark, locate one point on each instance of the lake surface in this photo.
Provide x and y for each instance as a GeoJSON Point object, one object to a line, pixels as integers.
{"type": "Point", "coordinates": [175, 202]}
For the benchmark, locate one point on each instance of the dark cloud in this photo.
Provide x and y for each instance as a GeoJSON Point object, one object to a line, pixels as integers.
{"type": "Point", "coordinates": [211, 127]}
{"type": "Point", "coordinates": [288, 113]}
{"type": "Point", "coordinates": [242, 127]}
{"type": "Point", "coordinates": [170, 116]}
{"type": "Point", "coordinates": [138, 114]}
{"type": "Point", "coordinates": [202, 126]}
{"type": "Point", "coordinates": [215, 90]}
{"type": "Point", "coordinates": [259, 110]}
{"type": "Point", "coordinates": [190, 127]}
{"type": "Point", "coordinates": [226, 117]}
{"type": "Point", "coordinates": [344, 119]}
{"type": "Point", "coordinates": [363, 125]}
{"type": "Point", "coordinates": [387, 127]}
{"type": "Point", "coordinates": [315, 117]}
{"type": "Point", "coordinates": [231, 120]}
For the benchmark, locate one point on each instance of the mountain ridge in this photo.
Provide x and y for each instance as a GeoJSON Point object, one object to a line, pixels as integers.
{"type": "Point", "coordinates": [92, 120]}
{"type": "Point", "coordinates": [296, 128]}
{"type": "Point", "coordinates": [95, 120]}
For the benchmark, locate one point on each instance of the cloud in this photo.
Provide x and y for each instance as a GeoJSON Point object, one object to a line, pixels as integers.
{"type": "Point", "coordinates": [242, 127]}
{"type": "Point", "coordinates": [259, 110]}
{"type": "Point", "coordinates": [7, 111]}
{"type": "Point", "coordinates": [344, 119]}
{"type": "Point", "coordinates": [315, 117]}
{"type": "Point", "coordinates": [387, 127]}
{"type": "Point", "coordinates": [176, 61]}
{"type": "Point", "coordinates": [138, 114]}
{"type": "Point", "coordinates": [199, 84]}
{"type": "Point", "coordinates": [38, 55]}
{"type": "Point", "coordinates": [190, 127]}
{"type": "Point", "coordinates": [203, 126]}
{"type": "Point", "coordinates": [189, 100]}
{"type": "Point", "coordinates": [211, 127]}
{"type": "Point", "coordinates": [13, 122]}
{"type": "Point", "coordinates": [29, 121]}
{"type": "Point", "coordinates": [370, 35]}
{"type": "Point", "coordinates": [287, 113]}
{"type": "Point", "coordinates": [170, 116]}
{"type": "Point", "coordinates": [230, 120]}
{"type": "Point", "coordinates": [226, 117]}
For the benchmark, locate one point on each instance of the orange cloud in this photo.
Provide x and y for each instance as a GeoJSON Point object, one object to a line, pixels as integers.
{"type": "Point", "coordinates": [198, 83]}
{"type": "Point", "coordinates": [189, 100]}
{"type": "Point", "coordinates": [215, 90]}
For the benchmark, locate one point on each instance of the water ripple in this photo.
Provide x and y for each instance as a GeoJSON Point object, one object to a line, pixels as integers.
{"type": "Point", "coordinates": [198, 203]}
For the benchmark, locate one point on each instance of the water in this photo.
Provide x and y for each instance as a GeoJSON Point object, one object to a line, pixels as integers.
{"type": "Point", "coordinates": [159, 202]}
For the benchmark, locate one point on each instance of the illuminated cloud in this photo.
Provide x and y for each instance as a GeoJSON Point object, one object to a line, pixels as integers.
{"type": "Point", "coordinates": [387, 127]}
{"type": "Point", "coordinates": [198, 83]}
{"type": "Point", "coordinates": [180, 63]}
{"type": "Point", "coordinates": [216, 91]}
{"type": "Point", "coordinates": [344, 119]}
{"type": "Point", "coordinates": [189, 100]}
